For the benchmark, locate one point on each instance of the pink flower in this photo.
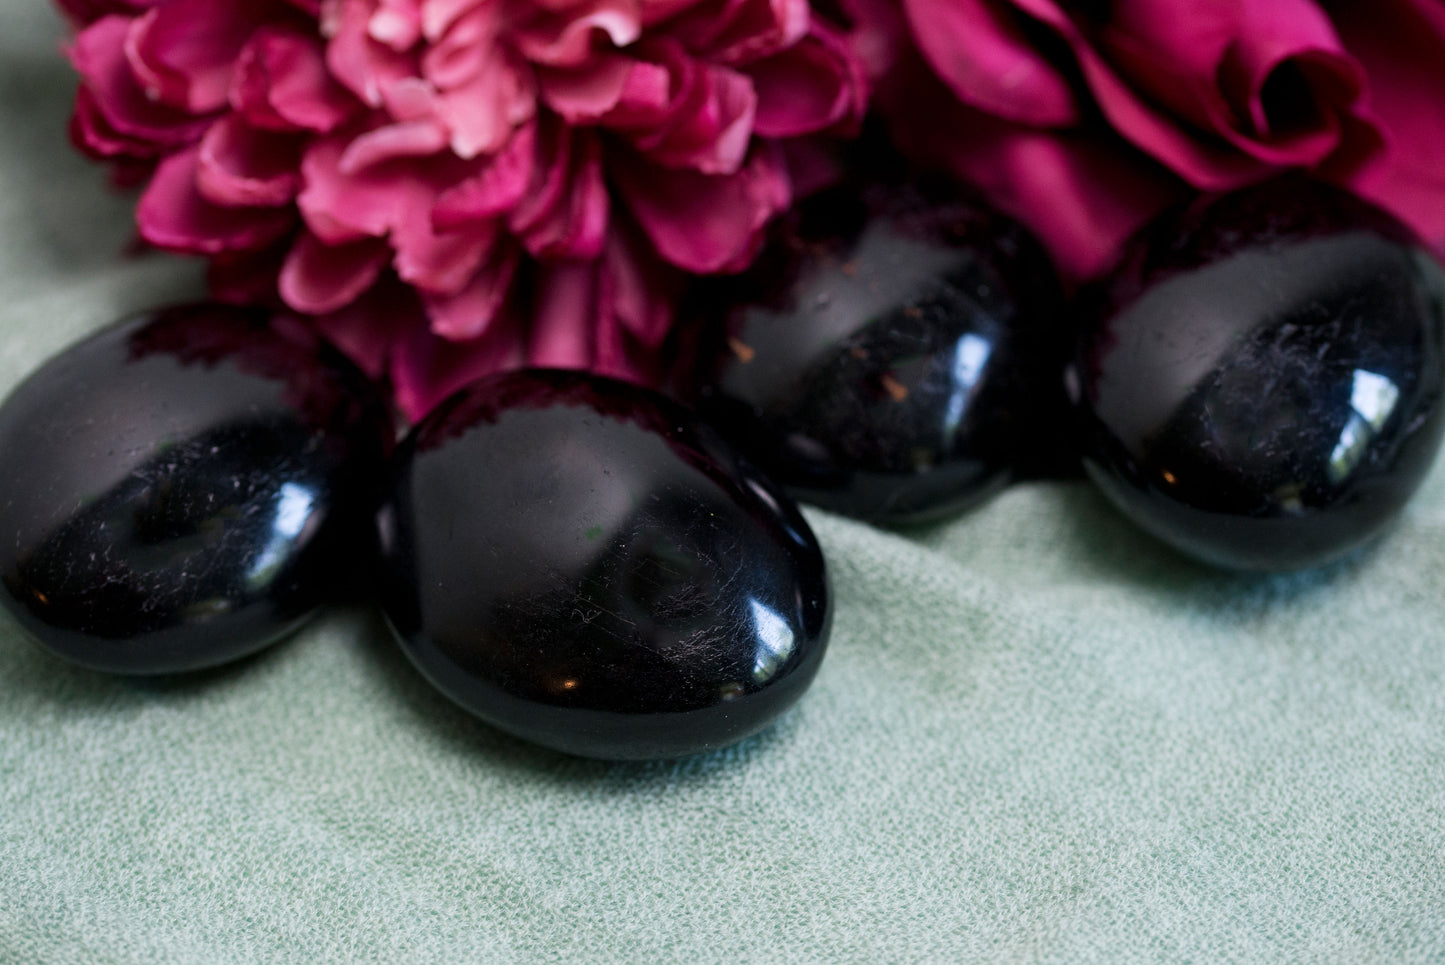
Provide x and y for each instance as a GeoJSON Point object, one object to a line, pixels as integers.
{"type": "Point", "coordinates": [1083, 120]}
{"type": "Point", "coordinates": [452, 186]}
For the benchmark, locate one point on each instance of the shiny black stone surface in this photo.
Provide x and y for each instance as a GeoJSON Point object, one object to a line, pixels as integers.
{"type": "Point", "coordinates": [177, 490]}
{"type": "Point", "coordinates": [582, 564]}
{"type": "Point", "coordinates": [1261, 384]}
{"type": "Point", "coordinates": [896, 356]}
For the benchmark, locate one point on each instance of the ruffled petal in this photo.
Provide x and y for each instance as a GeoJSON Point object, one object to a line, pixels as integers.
{"type": "Point", "coordinates": [482, 113]}
{"type": "Point", "coordinates": [565, 214]}
{"type": "Point", "coordinates": [497, 188]}
{"type": "Point", "coordinates": [86, 12]}
{"type": "Point", "coordinates": [469, 312]}
{"type": "Point", "coordinates": [183, 52]}
{"type": "Point", "coordinates": [736, 32]}
{"type": "Point", "coordinates": [441, 262]}
{"type": "Point", "coordinates": [318, 278]}
{"type": "Point", "coordinates": [395, 23]}
{"type": "Point", "coordinates": [362, 64]}
{"type": "Point", "coordinates": [92, 133]}
{"type": "Point", "coordinates": [707, 124]}
{"type": "Point", "coordinates": [584, 94]}
{"type": "Point", "coordinates": [241, 166]}
{"type": "Point", "coordinates": [810, 87]}
{"type": "Point", "coordinates": [99, 56]}
{"type": "Point", "coordinates": [343, 202]}
{"type": "Point", "coordinates": [172, 214]}
{"type": "Point", "coordinates": [703, 223]}
{"type": "Point", "coordinates": [569, 37]}
{"type": "Point", "coordinates": [281, 83]}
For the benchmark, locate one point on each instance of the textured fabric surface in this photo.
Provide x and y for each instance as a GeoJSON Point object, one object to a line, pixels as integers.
{"type": "Point", "coordinates": [1038, 737]}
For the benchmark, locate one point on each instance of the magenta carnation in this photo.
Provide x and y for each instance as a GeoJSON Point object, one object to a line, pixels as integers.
{"type": "Point", "coordinates": [452, 186]}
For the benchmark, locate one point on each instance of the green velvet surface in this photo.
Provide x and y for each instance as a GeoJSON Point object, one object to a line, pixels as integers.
{"type": "Point", "coordinates": [1038, 737]}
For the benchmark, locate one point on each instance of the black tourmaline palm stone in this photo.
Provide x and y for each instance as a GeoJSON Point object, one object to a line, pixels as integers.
{"type": "Point", "coordinates": [581, 563]}
{"type": "Point", "coordinates": [181, 489]}
{"type": "Point", "coordinates": [1260, 385]}
{"type": "Point", "coordinates": [895, 356]}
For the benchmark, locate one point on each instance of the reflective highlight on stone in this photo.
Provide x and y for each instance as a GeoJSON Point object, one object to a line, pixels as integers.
{"type": "Point", "coordinates": [1262, 384]}
{"type": "Point", "coordinates": [177, 489]}
{"type": "Point", "coordinates": [896, 357]}
{"type": "Point", "coordinates": [581, 563]}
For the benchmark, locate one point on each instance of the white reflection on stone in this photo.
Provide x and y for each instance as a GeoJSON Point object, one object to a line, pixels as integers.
{"type": "Point", "coordinates": [1373, 398]}
{"type": "Point", "coordinates": [293, 509]}
{"type": "Point", "coordinates": [776, 641]}
{"type": "Point", "coordinates": [970, 355]}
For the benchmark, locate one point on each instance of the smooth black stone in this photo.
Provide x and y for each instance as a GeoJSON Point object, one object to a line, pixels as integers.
{"type": "Point", "coordinates": [581, 563]}
{"type": "Point", "coordinates": [895, 356]}
{"type": "Point", "coordinates": [180, 489]}
{"type": "Point", "coordinates": [1260, 385]}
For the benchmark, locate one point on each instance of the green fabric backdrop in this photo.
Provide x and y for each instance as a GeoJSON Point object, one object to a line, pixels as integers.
{"type": "Point", "coordinates": [1038, 737]}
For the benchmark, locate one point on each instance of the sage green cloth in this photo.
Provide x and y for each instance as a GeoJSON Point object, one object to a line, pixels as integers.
{"type": "Point", "coordinates": [1038, 737]}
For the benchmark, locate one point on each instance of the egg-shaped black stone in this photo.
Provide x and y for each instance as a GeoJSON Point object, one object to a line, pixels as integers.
{"type": "Point", "coordinates": [176, 489]}
{"type": "Point", "coordinates": [581, 563]}
{"type": "Point", "coordinates": [1260, 384]}
{"type": "Point", "coordinates": [896, 355]}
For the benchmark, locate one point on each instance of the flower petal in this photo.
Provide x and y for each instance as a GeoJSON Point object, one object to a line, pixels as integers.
{"type": "Point", "coordinates": [86, 12]}
{"type": "Point", "coordinates": [92, 133]}
{"type": "Point", "coordinates": [368, 329]}
{"type": "Point", "coordinates": [482, 113]}
{"type": "Point", "coordinates": [426, 368]}
{"type": "Point", "coordinates": [1402, 46]}
{"type": "Point", "coordinates": [172, 214]}
{"type": "Point", "coordinates": [410, 139]}
{"type": "Point", "coordinates": [98, 55]}
{"type": "Point", "coordinates": [735, 32]}
{"type": "Point", "coordinates": [318, 278]}
{"type": "Point", "coordinates": [705, 223]}
{"type": "Point", "coordinates": [566, 213]}
{"type": "Point", "coordinates": [441, 262]}
{"type": "Point", "coordinates": [362, 64]}
{"type": "Point", "coordinates": [281, 82]}
{"type": "Point", "coordinates": [568, 37]}
{"type": "Point", "coordinates": [396, 23]}
{"type": "Point", "coordinates": [1082, 192]}
{"type": "Point", "coordinates": [498, 188]}
{"type": "Point", "coordinates": [979, 48]}
{"type": "Point", "coordinates": [183, 52]}
{"type": "Point", "coordinates": [344, 203]}
{"type": "Point", "coordinates": [467, 313]}
{"type": "Point", "coordinates": [241, 166]}
{"type": "Point", "coordinates": [639, 291]}
{"type": "Point", "coordinates": [565, 318]}
{"type": "Point", "coordinates": [586, 93]}
{"type": "Point", "coordinates": [708, 124]}
{"type": "Point", "coordinates": [809, 87]}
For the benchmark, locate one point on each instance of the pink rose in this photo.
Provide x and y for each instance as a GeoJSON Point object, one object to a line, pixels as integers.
{"type": "Point", "coordinates": [1084, 119]}
{"type": "Point", "coordinates": [452, 186]}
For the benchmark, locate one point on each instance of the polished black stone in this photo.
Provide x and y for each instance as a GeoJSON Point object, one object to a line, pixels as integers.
{"type": "Point", "coordinates": [176, 490]}
{"type": "Point", "coordinates": [1261, 382]}
{"type": "Point", "coordinates": [896, 356]}
{"type": "Point", "coordinates": [580, 563]}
